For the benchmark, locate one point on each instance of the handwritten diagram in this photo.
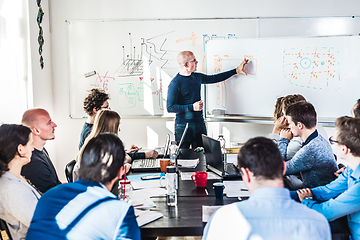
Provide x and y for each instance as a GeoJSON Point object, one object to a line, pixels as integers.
{"type": "Point", "coordinates": [130, 96]}
{"type": "Point", "coordinates": [315, 68]}
{"type": "Point", "coordinates": [133, 65]}
{"type": "Point", "coordinates": [221, 92]}
{"type": "Point", "coordinates": [193, 39]}
{"type": "Point", "coordinates": [102, 82]}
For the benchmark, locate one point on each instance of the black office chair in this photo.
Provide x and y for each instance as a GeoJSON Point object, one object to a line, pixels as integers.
{"type": "Point", "coordinates": [4, 231]}
{"type": "Point", "coordinates": [69, 170]}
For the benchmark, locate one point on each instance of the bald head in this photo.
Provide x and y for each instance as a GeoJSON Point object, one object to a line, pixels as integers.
{"type": "Point", "coordinates": [32, 116]}
{"type": "Point", "coordinates": [41, 125]}
{"type": "Point", "coordinates": [184, 56]}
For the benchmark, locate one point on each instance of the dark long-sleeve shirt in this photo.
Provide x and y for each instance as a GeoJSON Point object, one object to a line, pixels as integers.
{"type": "Point", "coordinates": [184, 91]}
{"type": "Point", "coordinates": [41, 171]}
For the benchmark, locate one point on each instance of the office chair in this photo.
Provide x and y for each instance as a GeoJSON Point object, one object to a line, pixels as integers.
{"type": "Point", "coordinates": [69, 170]}
{"type": "Point", "coordinates": [4, 231]}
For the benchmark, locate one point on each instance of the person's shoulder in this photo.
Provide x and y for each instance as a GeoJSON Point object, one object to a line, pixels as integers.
{"type": "Point", "coordinates": [320, 144]}
{"type": "Point", "coordinates": [304, 212]}
{"type": "Point", "coordinates": [7, 182]}
{"type": "Point", "coordinates": [228, 209]}
{"type": "Point", "coordinates": [11, 185]}
{"type": "Point", "coordinates": [36, 154]}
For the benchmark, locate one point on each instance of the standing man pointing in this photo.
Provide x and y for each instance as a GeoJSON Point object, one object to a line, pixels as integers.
{"type": "Point", "coordinates": [184, 97]}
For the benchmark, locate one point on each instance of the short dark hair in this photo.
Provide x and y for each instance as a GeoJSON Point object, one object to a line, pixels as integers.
{"type": "Point", "coordinates": [95, 99]}
{"type": "Point", "coordinates": [102, 158]}
{"type": "Point", "coordinates": [303, 112]}
{"type": "Point", "coordinates": [356, 109]}
{"type": "Point", "coordinates": [262, 157]}
{"type": "Point", "coordinates": [349, 133]}
{"type": "Point", "coordinates": [11, 136]}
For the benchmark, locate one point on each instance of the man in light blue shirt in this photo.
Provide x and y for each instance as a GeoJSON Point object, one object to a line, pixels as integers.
{"type": "Point", "coordinates": [270, 211]}
{"type": "Point", "coordinates": [342, 196]}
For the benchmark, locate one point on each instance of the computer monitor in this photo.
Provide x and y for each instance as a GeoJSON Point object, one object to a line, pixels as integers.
{"type": "Point", "coordinates": [213, 155]}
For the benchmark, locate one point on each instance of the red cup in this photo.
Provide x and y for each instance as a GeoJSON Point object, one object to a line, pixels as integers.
{"type": "Point", "coordinates": [200, 178]}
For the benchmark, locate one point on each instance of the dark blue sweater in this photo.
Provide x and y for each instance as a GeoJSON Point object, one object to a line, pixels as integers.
{"type": "Point", "coordinates": [184, 91]}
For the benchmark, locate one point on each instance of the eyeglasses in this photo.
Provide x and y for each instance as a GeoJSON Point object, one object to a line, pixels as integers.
{"type": "Point", "coordinates": [332, 141]}
{"type": "Point", "coordinates": [192, 60]}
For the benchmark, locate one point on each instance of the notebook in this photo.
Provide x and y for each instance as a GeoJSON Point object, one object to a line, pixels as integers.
{"type": "Point", "coordinates": [214, 161]}
{"type": "Point", "coordinates": [143, 165]}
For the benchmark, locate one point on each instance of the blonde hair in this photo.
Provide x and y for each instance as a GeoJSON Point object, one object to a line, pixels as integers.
{"type": "Point", "coordinates": [278, 108]}
{"type": "Point", "coordinates": [106, 121]}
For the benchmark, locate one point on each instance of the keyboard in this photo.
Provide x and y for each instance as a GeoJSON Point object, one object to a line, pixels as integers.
{"type": "Point", "coordinates": [145, 164]}
{"type": "Point", "coordinates": [231, 169]}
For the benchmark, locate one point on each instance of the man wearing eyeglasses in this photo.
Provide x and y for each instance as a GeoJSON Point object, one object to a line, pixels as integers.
{"type": "Point", "coordinates": [341, 197]}
{"type": "Point", "coordinates": [315, 160]}
{"type": "Point", "coordinates": [184, 97]}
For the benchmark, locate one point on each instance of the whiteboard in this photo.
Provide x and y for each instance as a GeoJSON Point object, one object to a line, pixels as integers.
{"type": "Point", "coordinates": [325, 70]}
{"type": "Point", "coordinates": [135, 60]}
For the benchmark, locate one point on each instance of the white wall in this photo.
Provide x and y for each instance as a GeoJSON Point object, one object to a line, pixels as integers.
{"type": "Point", "coordinates": [51, 84]}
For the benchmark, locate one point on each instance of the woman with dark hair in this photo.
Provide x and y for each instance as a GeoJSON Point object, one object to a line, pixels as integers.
{"type": "Point", "coordinates": [18, 198]}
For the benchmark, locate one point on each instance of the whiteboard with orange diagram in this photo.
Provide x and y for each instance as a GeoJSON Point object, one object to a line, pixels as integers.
{"type": "Point", "coordinates": [325, 70]}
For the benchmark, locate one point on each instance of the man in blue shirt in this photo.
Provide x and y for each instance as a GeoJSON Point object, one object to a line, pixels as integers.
{"type": "Point", "coordinates": [184, 97]}
{"type": "Point", "coordinates": [86, 209]}
{"type": "Point", "coordinates": [315, 160]}
{"type": "Point", "coordinates": [270, 211]}
{"type": "Point", "coordinates": [342, 196]}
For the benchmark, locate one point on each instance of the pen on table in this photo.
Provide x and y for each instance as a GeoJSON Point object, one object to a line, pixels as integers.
{"type": "Point", "coordinates": [243, 189]}
{"type": "Point", "coordinates": [138, 205]}
{"type": "Point", "coordinates": [206, 192]}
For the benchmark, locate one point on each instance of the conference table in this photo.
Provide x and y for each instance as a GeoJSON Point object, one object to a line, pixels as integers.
{"type": "Point", "coordinates": [185, 219]}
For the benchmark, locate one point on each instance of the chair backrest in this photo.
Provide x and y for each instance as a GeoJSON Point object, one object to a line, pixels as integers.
{"type": "Point", "coordinates": [69, 170]}
{"type": "Point", "coordinates": [4, 231]}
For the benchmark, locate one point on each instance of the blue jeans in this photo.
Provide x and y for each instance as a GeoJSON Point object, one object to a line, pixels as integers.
{"type": "Point", "coordinates": [193, 135]}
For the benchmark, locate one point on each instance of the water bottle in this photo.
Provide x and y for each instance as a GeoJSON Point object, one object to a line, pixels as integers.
{"type": "Point", "coordinates": [173, 152]}
{"type": "Point", "coordinates": [171, 186]}
{"type": "Point", "coordinates": [222, 141]}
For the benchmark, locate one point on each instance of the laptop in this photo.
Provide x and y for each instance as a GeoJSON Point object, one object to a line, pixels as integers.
{"type": "Point", "coordinates": [148, 164]}
{"type": "Point", "coordinates": [181, 142]}
{"type": "Point", "coordinates": [214, 161]}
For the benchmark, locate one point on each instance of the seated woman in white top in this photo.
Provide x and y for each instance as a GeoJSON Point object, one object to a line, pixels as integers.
{"type": "Point", "coordinates": [18, 198]}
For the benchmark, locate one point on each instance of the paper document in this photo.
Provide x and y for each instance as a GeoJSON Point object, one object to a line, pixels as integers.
{"type": "Point", "coordinates": [235, 189]}
{"type": "Point", "coordinates": [188, 163]}
{"type": "Point", "coordinates": [142, 202]}
{"type": "Point", "coordinates": [207, 211]}
{"type": "Point", "coordinates": [137, 183]}
{"type": "Point", "coordinates": [149, 192]}
{"type": "Point", "coordinates": [144, 217]}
